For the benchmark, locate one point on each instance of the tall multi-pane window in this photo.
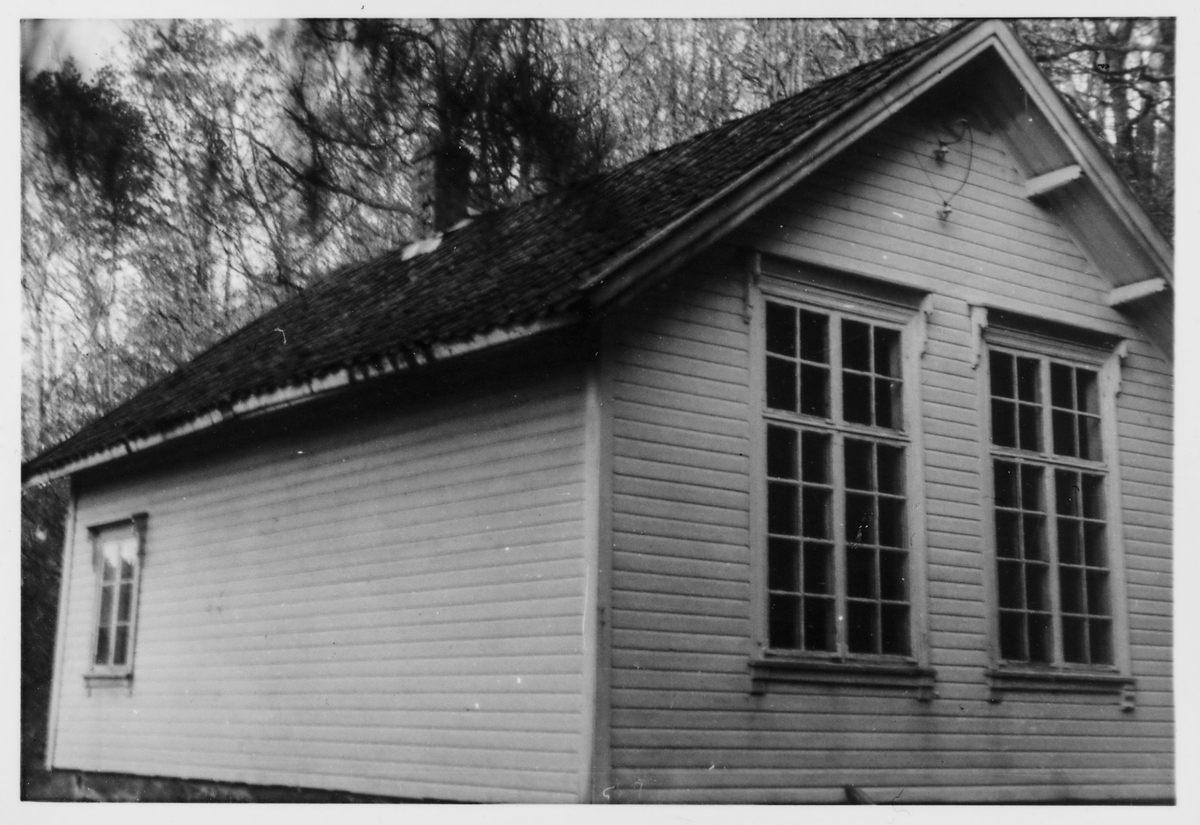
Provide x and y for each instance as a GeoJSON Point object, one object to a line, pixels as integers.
{"type": "Point", "coordinates": [117, 557]}
{"type": "Point", "coordinates": [837, 540]}
{"type": "Point", "coordinates": [1051, 530]}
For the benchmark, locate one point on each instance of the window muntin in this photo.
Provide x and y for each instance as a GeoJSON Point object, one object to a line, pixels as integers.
{"type": "Point", "coordinates": [836, 530]}
{"type": "Point", "coordinates": [1054, 598]}
{"type": "Point", "coordinates": [117, 558]}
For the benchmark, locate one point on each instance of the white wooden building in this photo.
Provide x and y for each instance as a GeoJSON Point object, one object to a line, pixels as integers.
{"type": "Point", "coordinates": [829, 448]}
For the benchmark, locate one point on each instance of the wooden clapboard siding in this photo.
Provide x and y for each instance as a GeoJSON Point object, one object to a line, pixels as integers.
{"type": "Point", "coordinates": [394, 607]}
{"type": "Point", "coordinates": [685, 726]}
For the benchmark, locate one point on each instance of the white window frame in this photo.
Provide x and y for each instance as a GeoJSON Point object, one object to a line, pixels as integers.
{"type": "Point", "coordinates": [101, 535]}
{"type": "Point", "coordinates": [1105, 359]}
{"type": "Point", "coordinates": [865, 301]}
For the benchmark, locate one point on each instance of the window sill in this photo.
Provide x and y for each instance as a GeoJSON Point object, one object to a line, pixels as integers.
{"type": "Point", "coordinates": [1002, 680]}
{"type": "Point", "coordinates": [97, 678]}
{"type": "Point", "coordinates": [909, 677]}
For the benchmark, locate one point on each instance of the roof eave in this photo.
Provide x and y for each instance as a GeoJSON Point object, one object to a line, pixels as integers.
{"type": "Point", "coordinates": [289, 395]}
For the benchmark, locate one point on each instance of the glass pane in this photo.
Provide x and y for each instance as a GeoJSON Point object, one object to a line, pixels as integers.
{"type": "Point", "coordinates": [1093, 544]}
{"type": "Point", "coordinates": [856, 398]}
{"type": "Point", "coordinates": [1097, 593]}
{"type": "Point", "coordinates": [887, 403]}
{"type": "Point", "coordinates": [1100, 639]}
{"type": "Point", "coordinates": [860, 518]}
{"type": "Point", "coordinates": [102, 646]}
{"type": "Point", "coordinates": [1004, 424]}
{"type": "Point", "coordinates": [859, 466]}
{"type": "Point", "coordinates": [1039, 637]}
{"type": "Point", "coordinates": [1029, 424]}
{"type": "Point", "coordinates": [893, 576]}
{"type": "Point", "coordinates": [1093, 496]}
{"type": "Point", "coordinates": [1075, 646]}
{"type": "Point", "coordinates": [1089, 438]}
{"type": "Point", "coordinates": [1027, 379]}
{"type": "Point", "coordinates": [1037, 587]}
{"type": "Point", "coordinates": [1088, 394]}
{"type": "Point", "coordinates": [817, 501]}
{"type": "Point", "coordinates": [891, 522]}
{"type": "Point", "coordinates": [1031, 488]}
{"type": "Point", "coordinates": [1004, 476]}
{"type": "Point", "coordinates": [814, 390]}
{"type": "Point", "coordinates": [781, 384]}
{"type": "Point", "coordinates": [887, 352]}
{"type": "Point", "coordinates": [1070, 580]}
{"type": "Point", "coordinates": [894, 629]}
{"type": "Point", "coordinates": [1001, 367]}
{"type": "Point", "coordinates": [781, 452]}
{"type": "Point", "coordinates": [818, 624]}
{"type": "Point", "coordinates": [856, 346]}
{"type": "Point", "coordinates": [1012, 636]}
{"type": "Point", "coordinates": [890, 466]}
{"type": "Point", "coordinates": [1062, 389]}
{"type": "Point", "coordinates": [1066, 493]}
{"type": "Point", "coordinates": [1012, 584]}
{"type": "Point", "coordinates": [781, 329]}
{"type": "Point", "coordinates": [121, 646]}
{"type": "Point", "coordinates": [784, 620]}
{"type": "Point", "coordinates": [783, 514]}
{"type": "Point", "coordinates": [863, 627]}
{"type": "Point", "coordinates": [783, 565]}
{"type": "Point", "coordinates": [814, 453]}
{"type": "Point", "coordinates": [1034, 537]}
{"type": "Point", "coordinates": [124, 602]}
{"type": "Point", "coordinates": [860, 572]}
{"type": "Point", "coordinates": [106, 601]}
{"type": "Point", "coordinates": [818, 568]}
{"type": "Point", "coordinates": [1068, 542]}
{"type": "Point", "coordinates": [1008, 539]}
{"type": "Point", "coordinates": [109, 552]}
{"type": "Point", "coordinates": [814, 337]}
{"type": "Point", "coordinates": [1064, 433]}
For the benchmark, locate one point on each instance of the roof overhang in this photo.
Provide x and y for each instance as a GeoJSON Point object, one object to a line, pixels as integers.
{"type": "Point", "coordinates": [325, 385]}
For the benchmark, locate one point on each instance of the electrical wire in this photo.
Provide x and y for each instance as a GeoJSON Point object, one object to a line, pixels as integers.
{"type": "Point", "coordinates": [969, 133]}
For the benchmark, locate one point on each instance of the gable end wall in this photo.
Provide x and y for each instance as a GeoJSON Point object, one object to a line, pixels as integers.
{"type": "Point", "coordinates": [685, 726]}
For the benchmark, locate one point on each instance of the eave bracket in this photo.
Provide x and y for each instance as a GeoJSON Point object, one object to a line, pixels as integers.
{"type": "Point", "coordinates": [1047, 183]}
{"type": "Point", "coordinates": [1129, 293]}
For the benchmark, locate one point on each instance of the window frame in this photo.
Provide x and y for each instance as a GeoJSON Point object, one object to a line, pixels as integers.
{"type": "Point", "coordinates": [865, 301]}
{"type": "Point", "coordinates": [1025, 341]}
{"type": "Point", "coordinates": [135, 527]}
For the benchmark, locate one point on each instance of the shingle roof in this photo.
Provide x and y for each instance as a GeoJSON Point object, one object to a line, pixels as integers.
{"type": "Point", "coordinates": [509, 267]}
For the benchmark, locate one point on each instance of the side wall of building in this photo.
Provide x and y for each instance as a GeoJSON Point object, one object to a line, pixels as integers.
{"type": "Point", "coordinates": [686, 725]}
{"type": "Point", "coordinates": [392, 603]}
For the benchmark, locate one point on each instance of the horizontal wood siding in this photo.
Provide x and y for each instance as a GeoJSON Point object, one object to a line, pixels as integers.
{"type": "Point", "coordinates": [686, 727]}
{"type": "Point", "coordinates": [393, 607]}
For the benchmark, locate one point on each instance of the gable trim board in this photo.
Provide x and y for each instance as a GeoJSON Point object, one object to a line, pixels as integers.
{"type": "Point", "coordinates": [659, 427]}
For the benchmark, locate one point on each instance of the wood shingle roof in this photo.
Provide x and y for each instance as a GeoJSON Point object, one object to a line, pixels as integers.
{"type": "Point", "coordinates": [538, 260]}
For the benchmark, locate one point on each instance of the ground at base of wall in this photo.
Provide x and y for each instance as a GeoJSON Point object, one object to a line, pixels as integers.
{"type": "Point", "coordinates": [81, 786]}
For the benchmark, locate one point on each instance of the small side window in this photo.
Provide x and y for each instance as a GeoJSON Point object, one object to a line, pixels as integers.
{"type": "Point", "coordinates": [117, 554]}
